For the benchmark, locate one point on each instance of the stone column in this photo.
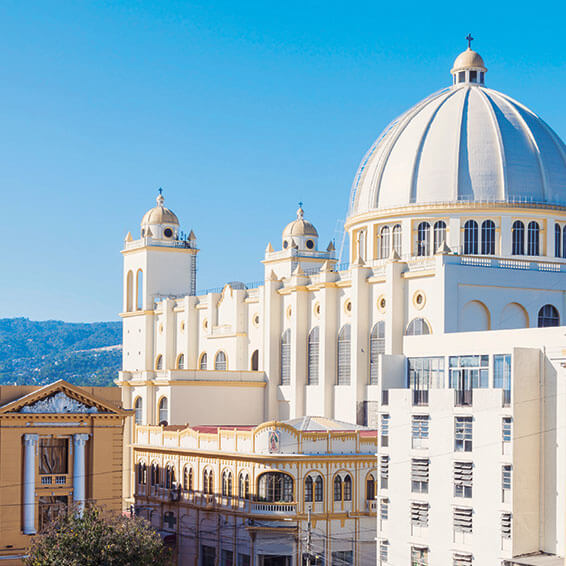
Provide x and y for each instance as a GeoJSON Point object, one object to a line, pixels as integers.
{"type": "Point", "coordinates": [79, 469]}
{"type": "Point", "coordinates": [30, 443]}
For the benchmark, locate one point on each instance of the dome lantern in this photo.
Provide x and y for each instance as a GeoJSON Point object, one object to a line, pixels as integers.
{"type": "Point", "coordinates": [300, 233]}
{"type": "Point", "coordinates": [469, 67]}
{"type": "Point", "coordinates": [159, 222]}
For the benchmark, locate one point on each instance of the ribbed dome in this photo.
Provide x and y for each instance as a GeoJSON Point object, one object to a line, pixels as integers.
{"type": "Point", "coordinates": [464, 143]}
{"type": "Point", "coordinates": [468, 59]}
{"type": "Point", "coordinates": [159, 214]}
{"type": "Point", "coordinates": [300, 227]}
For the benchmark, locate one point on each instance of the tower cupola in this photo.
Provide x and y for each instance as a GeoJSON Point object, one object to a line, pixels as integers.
{"type": "Point", "coordinates": [159, 222]}
{"type": "Point", "coordinates": [469, 67]}
{"type": "Point", "coordinates": [300, 233]}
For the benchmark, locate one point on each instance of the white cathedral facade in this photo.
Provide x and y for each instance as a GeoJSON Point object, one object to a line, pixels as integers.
{"type": "Point", "coordinates": [444, 330]}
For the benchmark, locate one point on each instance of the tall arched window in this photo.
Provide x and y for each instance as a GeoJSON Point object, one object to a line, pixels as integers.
{"type": "Point", "coordinates": [220, 361]}
{"type": "Point", "coordinates": [518, 237]}
{"type": "Point", "coordinates": [203, 361]}
{"type": "Point", "coordinates": [169, 476]}
{"type": "Point", "coordinates": [423, 239]}
{"type": "Point", "coordinates": [439, 234]}
{"type": "Point", "coordinates": [385, 243]}
{"type": "Point", "coordinates": [181, 361]}
{"type": "Point", "coordinates": [362, 244]}
{"type": "Point", "coordinates": [376, 347]}
{"type": "Point", "coordinates": [471, 237]}
{"type": "Point", "coordinates": [312, 356]}
{"type": "Point", "coordinates": [154, 473]}
{"type": "Point", "coordinates": [548, 316]}
{"type": "Point", "coordinates": [564, 242]}
{"type": "Point", "coordinates": [397, 238]}
{"type": "Point", "coordinates": [337, 488]}
{"type": "Point", "coordinates": [254, 364]}
{"type": "Point", "coordinates": [533, 232]}
{"type": "Point", "coordinates": [348, 488]}
{"type": "Point", "coordinates": [227, 483]}
{"type": "Point", "coordinates": [244, 486]}
{"type": "Point", "coordinates": [343, 354]}
{"type": "Point", "coordinates": [275, 487]}
{"type": "Point", "coordinates": [163, 411]}
{"type": "Point", "coordinates": [488, 237]}
{"type": "Point", "coordinates": [139, 290]}
{"type": "Point", "coordinates": [318, 489]}
{"type": "Point", "coordinates": [309, 484]}
{"type": "Point", "coordinates": [188, 478]}
{"type": "Point", "coordinates": [417, 327]}
{"type": "Point", "coordinates": [286, 357]}
{"type": "Point", "coordinates": [159, 362]}
{"type": "Point", "coordinates": [370, 488]}
{"type": "Point", "coordinates": [138, 408]}
{"type": "Point", "coordinates": [557, 241]}
{"type": "Point", "coordinates": [205, 482]}
{"type": "Point", "coordinates": [130, 292]}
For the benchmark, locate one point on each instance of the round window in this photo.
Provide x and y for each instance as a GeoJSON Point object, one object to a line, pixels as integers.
{"type": "Point", "coordinates": [382, 303]}
{"type": "Point", "coordinates": [168, 232]}
{"type": "Point", "coordinates": [285, 244]}
{"type": "Point", "coordinates": [348, 306]}
{"type": "Point", "coordinates": [310, 244]}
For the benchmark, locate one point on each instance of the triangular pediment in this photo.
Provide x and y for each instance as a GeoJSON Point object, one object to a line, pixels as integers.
{"type": "Point", "coordinates": [60, 398]}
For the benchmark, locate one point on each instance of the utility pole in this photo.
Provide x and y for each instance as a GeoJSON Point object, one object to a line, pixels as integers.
{"type": "Point", "coordinates": [309, 537]}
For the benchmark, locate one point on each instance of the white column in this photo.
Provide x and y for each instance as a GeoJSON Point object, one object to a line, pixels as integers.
{"type": "Point", "coordinates": [30, 442]}
{"type": "Point", "coordinates": [79, 469]}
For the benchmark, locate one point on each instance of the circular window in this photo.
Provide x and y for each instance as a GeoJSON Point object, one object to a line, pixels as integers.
{"type": "Point", "coordinates": [310, 244]}
{"type": "Point", "coordinates": [381, 303]}
{"type": "Point", "coordinates": [348, 306]}
{"type": "Point", "coordinates": [256, 320]}
{"type": "Point", "coordinates": [205, 323]}
{"type": "Point", "coordinates": [161, 328]}
{"type": "Point", "coordinates": [289, 311]}
{"type": "Point", "coordinates": [317, 309]}
{"type": "Point", "coordinates": [419, 299]}
{"type": "Point", "coordinates": [285, 244]}
{"type": "Point", "coordinates": [183, 326]}
{"type": "Point", "coordinates": [168, 232]}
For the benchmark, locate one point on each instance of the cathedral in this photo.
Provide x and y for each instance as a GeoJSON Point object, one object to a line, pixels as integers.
{"type": "Point", "coordinates": [443, 330]}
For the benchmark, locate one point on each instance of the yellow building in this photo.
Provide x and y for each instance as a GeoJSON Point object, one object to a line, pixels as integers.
{"type": "Point", "coordinates": [59, 445]}
{"type": "Point", "coordinates": [243, 496]}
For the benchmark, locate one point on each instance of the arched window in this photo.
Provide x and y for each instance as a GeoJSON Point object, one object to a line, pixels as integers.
{"type": "Point", "coordinates": [244, 486]}
{"type": "Point", "coordinates": [208, 482]}
{"type": "Point", "coordinates": [557, 241]}
{"type": "Point", "coordinates": [337, 488]}
{"type": "Point", "coordinates": [439, 234]}
{"type": "Point", "coordinates": [518, 237]}
{"type": "Point", "coordinates": [138, 408]}
{"type": "Point", "coordinates": [548, 316]}
{"type": "Point", "coordinates": [309, 490]}
{"type": "Point", "coordinates": [130, 292]}
{"type": "Point", "coordinates": [220, 361]}
{"type": "Point", "coordinates": [203, 361]}
{"type": "Point", "coordinates": [188, 478]}
{"type": "Point", "coordinates": [205, 482]}
{"type": "Point", "coordinates": [163, 411]}
{"type": "Point", "coordinates": [318, 489]}
{"type": "Point", "coordinates": [227, 483]}
{"type": "Point", "coordinates": [255, 361]}
{"type": "Point", "coordinates": [275, 487]}
{"type": "Point", "coordinates": [343, 354]}
{"type": "Point", "coordinates": [181, 361]}
{"type": "Point", "coordinates": [348, 488]}
{"type": "Point", "coordinates": [154, 474]}
{"type": "Point", "coordinates": [376, 347]}
{"type": "Point", "coordinates": [286, 357]}
{"type": "Point", "coordinates": [471, 237]}
{"type": "Point", "coordinates": [144, 474]}
{"type": "Point", "coordinates": [417, 327]}
{"type": "Point", "coordinates": [139, 468]}
{"type": "Point", "coordinates": [533, 232]}
{"type": "Point", "coordinates": [362, 244]}
{"type": "Point", "coordinates": [312, 356]}
{"type": "Point", "coordinates": [488, 237]}
{"type": "Point", "coordinates": [139, 290]}
{"type": "Point", "coordinates": [564, 242]}
{"type": "Point", "coordinates": [159, 362]}
{"type": "Point", "coordinates": [169, 476]}
{"type": "Point", "coordinates": [385, 243]}
{"type": "Point", "coordinates": [397, 238]}
{"type": "Point", "coordinates": [423, 239]}
{"type": "Point", "coordinates": [370, 488]}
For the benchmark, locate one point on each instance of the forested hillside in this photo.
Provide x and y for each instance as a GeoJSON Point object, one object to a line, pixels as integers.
{"type": "Point", "coordinates": [39, 352]}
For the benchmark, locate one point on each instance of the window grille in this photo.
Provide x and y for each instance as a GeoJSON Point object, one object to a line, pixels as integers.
{"type": "Point", "coordinates": [506, 525]}
{"type": "Point", "coordinates": [397, 238]}
{"type": "Point", "coordinates": [548, 316]}
{"type": "Point", "coordinates": [344, 353]}
{"type": "Point", "coordinates": [439, 234]}
{"type": "Point", "coordinates": [471, 237]}
{"type": "Point", "coordinates": [384, 551]}
{"type": "Point", "coordinates": [313, 355]}
{"type": "Point", "coordinates": [518, 234]}
{"type": "Point", "coordinates": [488, 237]}
{"type": "Point", "coordinates": [419, 431]}
{"type": "Point", "coordinates": [423, 239]}
{"type": "Point", "coordinates": [419, 556]}
{"type": "Point", "coordinates": [419, 514]}
{"type": "Point", "coordinates": [385, 430]}
{"type": "Point", "coordinates": [419, 475]}
{"type": "Point", "coordinates": [506, 472]}
{"type": "Point", "coordinates": [286, 358]}
{"type": "Point", "coordinates": [384, 472]}
{"type": "Point", "coordinates": [220, 363]}
{"type": "Point", "coordinates": [463, 479]}
{"type": "Point", "coordinates": [533, 245]}
{"type": "Point", "coordinates": [463, 519]}
{"type": "Point", "coordinates": [385, 244]}
{"type": "Point", "coordinates": [384, 509]}
{"type": "Point", "coordinates": [376, 347]}
{"type": "Point", "coordinates": [461, 559]}
{"type": "Point", "coordinates": [507, 428]}
{"type": "Point", "coordinates": [463, 434]}
{"type": "Point", "coordinates": [417, 327]}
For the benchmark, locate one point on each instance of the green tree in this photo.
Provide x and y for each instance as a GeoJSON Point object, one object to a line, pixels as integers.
{"type": "Point", "coordinates": [98, 538]}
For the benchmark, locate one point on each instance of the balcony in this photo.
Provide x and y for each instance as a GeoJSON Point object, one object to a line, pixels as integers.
{"type": "Point", "coordinates": [371, 505]}
{"type": "Point", "coordinates": [273, 508]}
{"type": "Point", "coordinates": [463, 397]}
{"type": "Point", "coordinates": [53, 480]}
{"type": "Point", "coordinates": [506, 398]}
{"type": "Point", "coordinates": [420, 397]}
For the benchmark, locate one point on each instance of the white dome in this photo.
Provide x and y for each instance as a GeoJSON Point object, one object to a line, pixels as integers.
{"type": "Point", "coordinates": [464, 143]}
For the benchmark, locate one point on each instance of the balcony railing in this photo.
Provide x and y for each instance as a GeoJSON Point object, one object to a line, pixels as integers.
{"type": "Point", "coordinates": [371, 505]}
{"type": "Point", "coordinates": [463, 397]}
{"type": "Point", "coordinates": [420, 397]}
{"type": "Point", "coordinates": [273, 508]}
{"type": "Point", "coordinates": [506, 393]}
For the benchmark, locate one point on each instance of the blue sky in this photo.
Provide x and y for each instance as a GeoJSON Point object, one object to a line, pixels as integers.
{"type": "Point", "coordinates": [237, 109]}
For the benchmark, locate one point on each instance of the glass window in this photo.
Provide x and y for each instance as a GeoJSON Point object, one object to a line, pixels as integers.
{"type": "Point", "coordinates": [463, 479]}
{"type": "Point", "coordinates": [419, 475]}
{"type": "Point", "coordinates": [397, 238]}
{"type": "Point", "coordinates": [337, 488]}
{"type": "Point", "coordinates": [506, 472]}
{"type": "Point", "coordinates": [473, 76]}
{"type": "Point", "coordinates": [423, 239]}
{"type": "Point", "coordinates": [417, 327]}
{"type": "Point", "coordinates": [518, 233]}
{"type": "Point", "coordinates": [384, 430]}
{"type": "Point", "coordinates": [533, 238]}
{"type": "Point", "coordinates": [181, 361]}
{"type": "Point", "coordinates": [384, 552]}
{"type": "Point", "coordinates": [227, 483]}
{"type": "Point", "coordinates": [384, 509]}
{"type": "Point", "coordinates": [286, 357]}
{"type": "Point", "coordinates": [138, 407]}
{"type": "Point", "coordinates": [139, 290]}
{"type": "Point", "coordinates": [220, 362]}
{"type": "Point", "coordinates": [507, 429]}
{"type": "Point", "coordinates": [439, 234]}
{"type": "Point", "coordinates": [506, 525]}
{"type": "Point", "coordinates": [564, 242]}
{"type": "Point", "coordinates": [163, 411]}
{"type": "Point", "coordinates": [419, 556]}
{"type": "Point", "coordinates": [463, 434]}
{"type": "Point", "coordinates": [203, 361]}
{"type": "Point", "coordinates": [159, 362]}
{"type": "Point", "coordinates": [376, 347]}
{"type": "Point", "coordinates": [385, 243]}
{"type": "Point", "coordinates": [419, 431]}
{"type": "Point", "coordinates": [557, 241]}
{"type": "Point", "coordinates": [50, 507]}
{"type": "Point", "coordinates": [548, 316]}
{"type": "Point", "coordinates": [318, 489]}
{"type": "Point", "coordinates": [309, 489]}
{"type": "Point", "coordinates": [312, 356]}
{"type": "Point", "coordinates": [348, 488]}
{"type": "Point", "coordinates": [53, 455]}
{"type": "Point", "coordinates": [275, 487]}
{"type": "Point", "coordinates": [469, 372]}
{"type": "Point", "coordinates": [463, 519]}
{"type": "Point", "coordinates": [471, 237]}
{"type": "Point", "coordinates": [502, 375]}
{"type": "Point", "coordinates": [384, 472]}
{"type": "Point", "coordinates": [488, 237]}
{"type": "Point", "coordinates": [370, 488]}
{"type": "Point", "coordinates": [419, 514]}
{"type": "Point", "coordinates": [344, 353]}
{"type": "Point", "coordinates": [187, 478]}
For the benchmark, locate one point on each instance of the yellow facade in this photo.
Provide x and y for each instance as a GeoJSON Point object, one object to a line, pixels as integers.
{"type": "Point", "coordinates": [52, 439]}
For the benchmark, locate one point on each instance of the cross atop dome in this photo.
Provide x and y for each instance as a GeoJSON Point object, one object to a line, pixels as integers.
{"type": "Point", "coordinates": [470, 39]}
